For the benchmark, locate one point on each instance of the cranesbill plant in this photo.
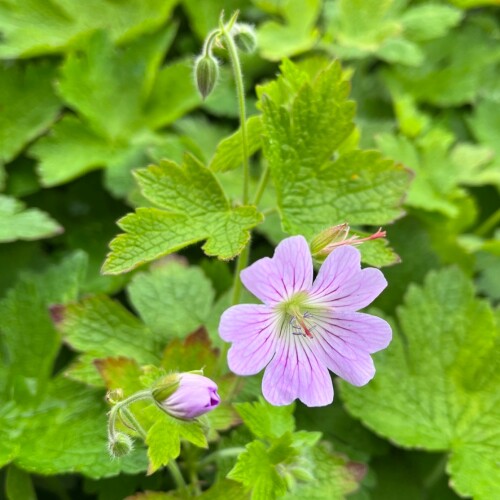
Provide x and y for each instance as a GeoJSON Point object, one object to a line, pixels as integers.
{"type": "Point", "coordinates": [305, 327]}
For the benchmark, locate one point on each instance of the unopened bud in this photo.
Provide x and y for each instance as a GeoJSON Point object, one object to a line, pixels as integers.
{"type": "Point", "coordinates": [207, 73]}
{"type": "Point", "coordinates": [336, 236]}
{"type": "Point", "coordinates": [165, 387]}
{"type": "Point", "coordinates": [244, 37]}
{"type": "Point", "coordinates": [120, 445]}
{"type": "Point", "coordinates": [328, 236]}
{"type": "Point", "coordinates": [186, 395]}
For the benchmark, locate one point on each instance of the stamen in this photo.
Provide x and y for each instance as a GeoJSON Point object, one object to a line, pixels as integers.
{"type": "Point", "coordinates": [301, 327]}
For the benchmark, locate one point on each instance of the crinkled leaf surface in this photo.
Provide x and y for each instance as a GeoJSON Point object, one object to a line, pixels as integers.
{"type": "Point", "coordinates": [28, 103]}
{"type": "Point", "coordinates": [99, 326]}
{"type": "Point", "coordinates": [172, 299]}
{"type": "Point", "coordinates": [194, 208]}
{"type": "Point", "coordinates": [20, 223]}
{"type": "Point", "coordinates": [437, 387]}
{"type": "Point", "coordinates": [34, 27]}
{"type": "Point", "coordinates": [314, 190]}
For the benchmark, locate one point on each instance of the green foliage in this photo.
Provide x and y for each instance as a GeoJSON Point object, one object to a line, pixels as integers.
{"type": "Point", "coordinates": [100, 117]}
{"type": "Point", "coordinates": [36, 27]}
{"type": "Point", "coordinates": [264, 420]}
{"type": "Point", "coordinates": [454, 69]}
{"type": "Point", "coordinates": [313, 191]}
{"type": "Point", "coordinates": [296, 34]}
{"type": "Point", "coordinates": [185, 292]}
{"type": "Point", "coordinates": [20, 223]}
{"type": "Point", "coordinates": [195, 209]}
{"type": "Point", "coordinates": [163, 440]}
{"type": "Point", "coordinates": [228, 154]}
{"type": "Point", "coordinates": [437, 387]}
{"type": "Point", "coordinates": [29, 105]}
{"type": "Point", "coordinates": [359, 28]}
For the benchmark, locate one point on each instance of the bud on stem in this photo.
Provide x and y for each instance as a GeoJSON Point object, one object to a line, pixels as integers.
{"type": "Point", "coordinates": [329, 239]}
{"type": "Point", "coordinates": [244, 37]}
{"type": "Point", "coordinates": [206, 73]}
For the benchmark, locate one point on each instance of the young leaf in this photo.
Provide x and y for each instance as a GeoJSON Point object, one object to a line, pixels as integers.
{"type": "Point", "coordinates": [437, 388]}
{"type": "Point", "coordinates": [256, 469]}
{"type": "Point", "coordinates": [265, 420]}
{"type": "Point", "coordinates": [164, 439]}
{"type": "Point", "coordinates": [194, 208]}
{"type": "Point", "coordinates": [314, 191]}
{"type": "Point", "coordinates": [20, 223]}
{"type": "Point", "coordinates": [28, 105]}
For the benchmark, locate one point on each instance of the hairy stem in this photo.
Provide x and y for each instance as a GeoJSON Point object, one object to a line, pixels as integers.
{"type": "Point", "coordinates": [240, 93]}
{"type": "Point", "coordinates": [121, 406]}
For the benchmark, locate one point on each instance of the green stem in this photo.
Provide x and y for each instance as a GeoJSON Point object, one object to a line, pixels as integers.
{"type": "Point", "coordinates": [226, 452]}
{"type": "Point", "coordinates": [207, 46]}
{"type": "Point", "coordinates": [262, 185]}
{"type": "Point", "coordinates": [240, 92]}
{"type": "Point", "coordinates": [134, 422]}
{"type": "Point", "coordinates": [488, 224]}
{"type": "Point", "coordinates": [176, 475]}
{"type": "Point", "coordinates": [241, 263]}
{"type": "Point", "coordinates": [138, 396]}
{"type": "Point", "coordinates": [172, 465]}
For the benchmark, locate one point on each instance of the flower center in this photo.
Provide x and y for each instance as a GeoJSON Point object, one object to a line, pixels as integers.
{"type": "Point", "coordinates": [297, 313]}
{"type": "Point", "coordinates": [302, 325]}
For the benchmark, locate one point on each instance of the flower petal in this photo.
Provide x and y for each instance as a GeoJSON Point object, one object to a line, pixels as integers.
{"type": "Point", "coordinates": [253, 330]}
{"type": "Point", "coordinates": [343, 285]}
{"type": "Point", "coordinates": [358, 331]}
{"type": "Point", "coordinates": [344, 341]}
{"type": "Point", "coordinates": [275, 279]}
{"type": "Point", "coordinates": [296, 372]}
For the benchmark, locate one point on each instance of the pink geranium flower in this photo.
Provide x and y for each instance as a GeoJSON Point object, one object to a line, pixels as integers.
{"type": "Point", "coordinates": [304, 329]}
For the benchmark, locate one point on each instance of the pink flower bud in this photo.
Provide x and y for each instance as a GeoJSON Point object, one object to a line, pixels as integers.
{"type": "Point", "coordinates": [194, 395]}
